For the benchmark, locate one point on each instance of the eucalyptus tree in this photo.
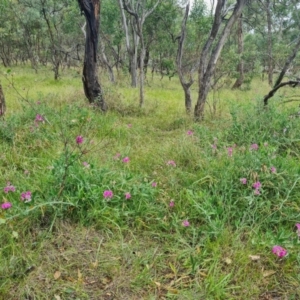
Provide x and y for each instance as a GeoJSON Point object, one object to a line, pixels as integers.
{"type": "Point", "coordinates": [139, 10]}
{"type": "Point", "coordinates": [112, 37]}
{"type": "Point", "coordinates": [53, 14]}
{"type": "Point", "coordinates": [2, 102]}
{"type": "Point", "coordinates": [212, 50]}
{"type": "Point", "coordinates": [240, 67]}
{"type": "Point", "coordinates": [186, 59]}
{"type": "Point", "coordinates": [91, 85]}
{"type": "Point", "coordinates": [184, 83]}
{"type": "Point", "coordinates": [8, 36]}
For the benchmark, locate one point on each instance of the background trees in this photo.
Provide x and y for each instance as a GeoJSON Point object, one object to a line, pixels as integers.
{"type": "Point", "coordinates": [142, 37]}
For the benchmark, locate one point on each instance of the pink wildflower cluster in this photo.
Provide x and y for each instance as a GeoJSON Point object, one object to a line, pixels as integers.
{"type": "Point", "coordinates": [26, 196]}
{"type": "Point", "coordinates": [86, 164]}
{"type": "Point", "coordinates": [79, 139]}
{"type": "Point", "coordinates": [254, 147]}
{"type": "Point", "coordinates": [126, 160]}
{"type": "Point", "coordinates": [6, 205]}
{"type": "Point", "coordinates": [230, 151]}
{"type": "Point", "coordinates": [243, 180]}
{"type": "Point", "coordinates": [186, 223]}
{"type": "Point", "coordinates": [117, 156]}
{"type": "Point", "coordinates": [9, 188]}
{"type": "Point", "coordinates": [273, 170]}
{"type": "Point", "coordinates": [298, 229]}
{"type": "Point", "coordinates": [256, 185]}
{"type": "Point", "coordinates": [171, 163]}
{"type": "Point", "coordinates": [38, 118]}
{"type": "Point", "coordinates": [190, 132]}
{"type": "Point", "coordinates": [108, 194]}
{"type": "Point", "coordinates": [279, 251]}
{"type": "Point", "coordinates": [127, 196]}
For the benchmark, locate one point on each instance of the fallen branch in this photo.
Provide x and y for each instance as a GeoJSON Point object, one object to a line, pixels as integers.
{"type": "Point", "coordinates": [292, 83]}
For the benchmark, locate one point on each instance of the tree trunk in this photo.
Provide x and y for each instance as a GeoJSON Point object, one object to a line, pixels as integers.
{"type": "Point", "coordinates": [270, 48]}
{"type": "Point", "coordinates": [185, 85]}
{"type": "Point", "coordinates": [208, 64]}
{"type": "Point", "coordinates": [240, 67]}
{"type": "Point", "coordinates": [91, 85]}
{"type": "Point", "coordinates": [133, 66]}
{"type": "Point", "coordinates": [146, 60]}
{"type": "Point", "coordinates": [142, 56]}
{"type": "Point", "coordinates": [106, 63]}
{"type": "Point", "coordinates": [2, 102]}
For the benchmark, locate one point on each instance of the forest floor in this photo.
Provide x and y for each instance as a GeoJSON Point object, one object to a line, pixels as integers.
{"type": "Point", "coordinates": [147, 204]}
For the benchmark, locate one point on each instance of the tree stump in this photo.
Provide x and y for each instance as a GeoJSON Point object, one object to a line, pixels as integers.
{"type": "Point", "coordinates": [2, 102]}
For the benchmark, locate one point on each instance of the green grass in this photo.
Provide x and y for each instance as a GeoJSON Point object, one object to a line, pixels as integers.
{"type": "Point", "coordinates": [71, 243]}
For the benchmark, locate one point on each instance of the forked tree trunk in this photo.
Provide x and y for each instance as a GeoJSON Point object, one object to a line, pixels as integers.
{"type": "Point", "coordinates": [91, 85]}
{"type": "Point", "coordinates": [185, 85]}
{"type": "Point", "coordinates": [2, 102]}
{"type": "Point", "coordinates": [208, 60]}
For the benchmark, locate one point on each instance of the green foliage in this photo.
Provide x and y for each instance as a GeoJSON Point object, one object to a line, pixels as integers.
{"type": "Point", "coordinates": [67, 180]}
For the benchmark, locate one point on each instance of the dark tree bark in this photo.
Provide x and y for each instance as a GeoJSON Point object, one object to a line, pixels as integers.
{"type": "Point", "coordinates": [292, 83]}
{"type": "Point", "coordinates": [91, 85]}
{"type": "Point", "coordinates": [2, 102]}
{"type": "Point", "coordinates": [240, 67]}
{"type": "Point", "coordinates": [278, 84]}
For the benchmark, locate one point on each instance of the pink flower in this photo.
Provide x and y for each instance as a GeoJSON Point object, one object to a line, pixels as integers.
{"type": "Point", "coordinates": [85, 164]}
{"type": "Point", "coordinates": [254, 147]}
{"type": "Point", "coordinates": [190, 132]}
{"type": "Point", "coordinates": [172, 203]}
{"type": "Point", "coordinates": [26, 196]}
{"type": "Point", "coordinates": [79, 139]}
{"type": "Point", "coordinates": [229, 151]}
{"type": "Point", "coordinates": [214, 146]}
{"type": "Point", "coordinates": [127, 196]}
{"type": "Point", "coordinates": [256, 192]}
{"type": "Point", "coordinates": [9, 188]}
{"type": "Point", "coordinates": [117, 156]}
{"type": "Point", "coordinates": [298, 229]}
{"type": "Point", "coordinates": [273, 170]}
{"type": "Point", "coordinates": [171, 163]}
{"type": "Point", "coordinates": [6, 205]}
{"type": "Point", "coordinates": [108, 194]}
{"type": "Point", "coordinates": [126, 159]}
{"type": "Point", "coordinates": [256, 185]}
{"type": "Point", "coordinates": [39, 118]}
{"type": "Point", "coordinates": [129, 125]}
{"type": "Point", "coordinates": [186, 223]}
{"type": "Point", "coordinates": [154, 184]}
{"type": "Point", "coordinates": [243, 180]}
{"type": "Point", "coordinates": [279, 251]}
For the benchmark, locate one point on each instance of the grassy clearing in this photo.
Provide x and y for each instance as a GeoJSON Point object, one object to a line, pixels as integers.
{"type": "Point", "coordinates": [69, 242]}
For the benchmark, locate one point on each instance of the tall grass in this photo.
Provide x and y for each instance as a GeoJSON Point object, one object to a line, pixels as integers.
{"type": "Point", "coordinates": [177, 171]}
